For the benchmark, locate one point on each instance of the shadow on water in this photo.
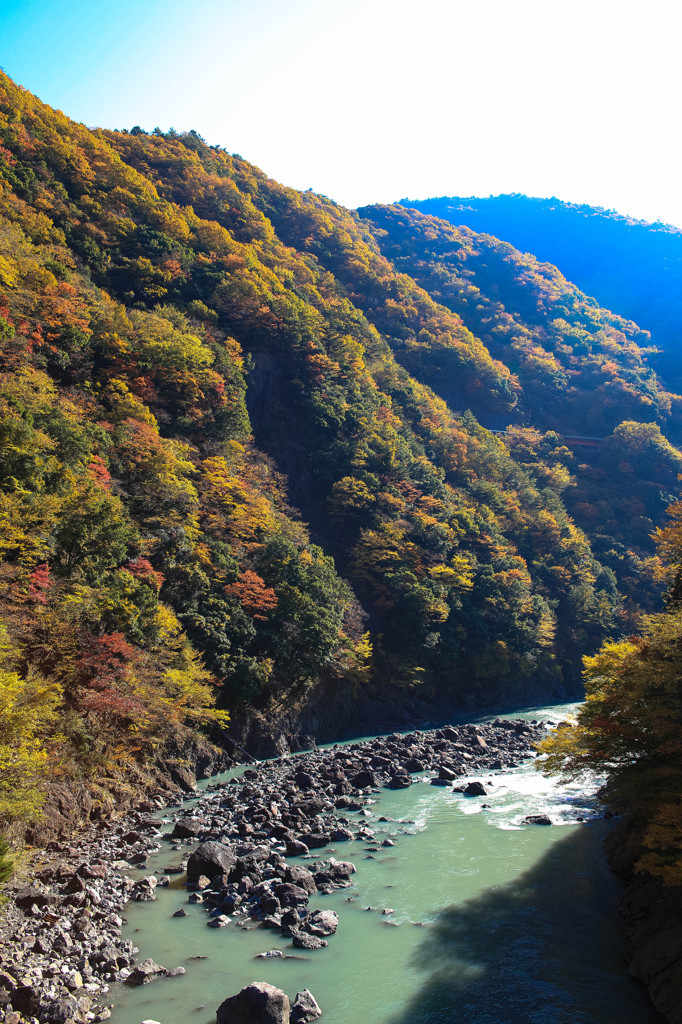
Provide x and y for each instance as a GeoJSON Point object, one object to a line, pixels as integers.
{"type": "Point", "coordinates": [545, 949]}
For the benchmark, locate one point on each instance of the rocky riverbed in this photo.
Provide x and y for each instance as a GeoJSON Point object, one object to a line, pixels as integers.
{"type": "Point", "coordinates": [62, 944]}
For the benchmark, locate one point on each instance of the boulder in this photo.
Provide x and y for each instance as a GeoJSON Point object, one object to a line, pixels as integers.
{"type": "Point", "coordinates": [475, 789]}
{"type": "Point", "coordinates": [29, 897]}
{"type": "Point", "coordinates": [314, 806]}
{"type": "Point", "coordinates": [188, 828]}
{"type": "Point", "coordinates": [291, 895]}
{"type": "Point", "coordinates": [304, 780]}
{"type": "Point", "coordinates": [291, 921]}
{"type": "Point", "coordinates": [322, 922]}
{"type": "Point", "coordinates": [537, 819]}
{"type": "Point", "coordinates": [364, 779]}
{"type": "Point", "coordinates": [340, 870]}
{"type": "Point", "coordinates": [305, 1008]}
{"type": "Point", "coordinates": [302, 940]}
{"type": "Point", "coordinates": [301, 877]}
{"type": "Point", "coordinates": [341, 835]}
{"type": "Point", "coordinates": [145, 972]}
{"type": "Point", "coordinates": [210, 859]}
{"type": "Point", "coordinates": [219, 921]}
{"type": "Point", "coordinates": [64, 1010]}
{"type": "Point", "coordinates": [144, 890]}
{"type": "Point", "coordinates": [26, 999]}
{"type": "Point", "coordinates": [296, 848]}
{"type": "Point", "coordinates": [258, 1003]}
{"type": "Point", "coordinates": [97, 869]}
{"type": "Point", "coordinates": [400, 782]}
{"type": "Point", "coordinates": [314, 839]}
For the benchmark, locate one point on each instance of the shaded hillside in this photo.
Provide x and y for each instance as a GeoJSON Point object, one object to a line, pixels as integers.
{"type": "Point", "coordinates": [629, 266]}
{"type": "Point", "coordinates": [196, 359]}
{"type": "Point", "coordinates": [581, 371]}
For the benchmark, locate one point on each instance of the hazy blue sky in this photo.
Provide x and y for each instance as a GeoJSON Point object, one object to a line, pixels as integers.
{"type": "Point", "coordinates": [374, 100]}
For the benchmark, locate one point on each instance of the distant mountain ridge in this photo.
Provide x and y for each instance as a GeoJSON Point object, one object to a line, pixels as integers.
{"type": "Point", "coordinates": [631, 267]}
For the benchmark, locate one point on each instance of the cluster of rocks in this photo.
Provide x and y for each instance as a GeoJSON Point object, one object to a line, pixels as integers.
{"type": "Point", "coordinates": [261, 1003]}
{"type": "Point", "coordinates": [63, 946]}
{"type": "Point", "coordinates": [248, 881]}
{"type": "Point", "coordinates": [60, 938]}
{"type": "Point", "coordinates": [289, 807]}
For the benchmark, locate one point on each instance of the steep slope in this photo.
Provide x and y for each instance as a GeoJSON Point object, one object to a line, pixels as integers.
{"type": "Point", "coordinates": [419, 333]}
{"type": "Point", "coordinates": [629, 266]}
{"type": "Point", "coordinates": [581, 368]}
{"type": "Point", "coordinates": [574, 367]}
{"type": "Point", "coordinates": [187, 349]}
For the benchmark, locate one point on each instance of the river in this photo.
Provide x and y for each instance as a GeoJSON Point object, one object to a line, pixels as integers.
{"type": "Point", "coordinates": [493, 922]}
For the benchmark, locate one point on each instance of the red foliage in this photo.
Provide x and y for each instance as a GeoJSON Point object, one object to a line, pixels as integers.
{"type": "Point", "coordinates": [7, 156]}
{"type": "Point", "coordinates": [105, 665]}
{"type": "Point", "coordinates": [173, 267]}
{"type": "Point", "coordinates": [100, 472]}
{"type": "Point", "coordinates": [143, 570]}
{"type": "Point", "coordinates": [106, 658]}
{"type": "Point", "coordinates": [253, 595]}
{"type": "Point", "coordinates": [39, 584]}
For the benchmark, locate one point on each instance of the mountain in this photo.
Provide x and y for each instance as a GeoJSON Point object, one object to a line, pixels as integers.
{"type": "Point", "coordinates": [301, 464]}
{"type": "Point", "coordinates": [629, 266]}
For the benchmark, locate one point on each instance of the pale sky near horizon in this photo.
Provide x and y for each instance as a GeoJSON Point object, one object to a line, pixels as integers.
{"type": "Point", "coordinates": [374, 100]}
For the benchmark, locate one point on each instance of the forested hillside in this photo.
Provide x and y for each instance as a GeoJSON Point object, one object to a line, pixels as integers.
{"type": "Point", "coordinates": [629, 266]}
{"type": "Point", "coordinates": [246, 455]}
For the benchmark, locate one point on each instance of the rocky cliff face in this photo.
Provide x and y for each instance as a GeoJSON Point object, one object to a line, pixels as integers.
{"type": "Point", "coordinates": [70, 804]}
{"type": "Point", "coordinates": [653, 913]}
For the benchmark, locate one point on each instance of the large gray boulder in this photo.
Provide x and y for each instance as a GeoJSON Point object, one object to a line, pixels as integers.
{"type": "Point", "coordinates": [290, 895]}
{"type": "Point", "coordinates": [304, 780]}
{"type": "Point", "coordinates": [302, 940]}
{"type": "Point", "coordinates": [305, 1008]}
{"type": "Point", "coordinates": [314, 839]}
{"type": "Point", "coordinates": [340, 869]}
{"type": "Point", "coordinates": [400, 780]}
{"type": "Point", "coordinates": [188, 828]}
{"type": "Point", "coordinates": [144, 890]}
{"type": "Point", "coordinates": [322, 922]}
{"type": "Point", "coordinates": [301, 877]}
{"type": "Point", "coordinates": [210, 859]}
{"type": "Point", "coordinates": [63, 1010]}
{"type": "Point", "coordinates": [147, 971]}
{"type": "Point", "coordinates": [258, 1003]}
{"type": "Point", "coordinates": [363, 779]}
{"type": "Point", "coordinates": [475, 789]}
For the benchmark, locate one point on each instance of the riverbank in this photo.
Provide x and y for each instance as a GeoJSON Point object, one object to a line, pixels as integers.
{"type": "Point", "coordinates": [653, 914]}
{"type": "Point", "coordinates": [63, 947]}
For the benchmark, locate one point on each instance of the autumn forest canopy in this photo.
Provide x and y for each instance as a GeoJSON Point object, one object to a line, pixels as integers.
{"type": "Point", "coordinates": [256, 446]}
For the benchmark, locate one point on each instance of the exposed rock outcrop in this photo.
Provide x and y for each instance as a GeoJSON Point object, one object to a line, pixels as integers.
{"type": "Point", "coordinates": [654, 916]}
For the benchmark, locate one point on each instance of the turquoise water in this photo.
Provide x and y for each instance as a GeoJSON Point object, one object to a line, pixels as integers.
{"type": "Point", "coordinates": [493, 922]}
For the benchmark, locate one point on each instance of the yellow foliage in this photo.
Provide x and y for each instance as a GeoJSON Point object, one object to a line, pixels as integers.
{"type": "Point", "coordinates": [125, 405]}
{"type": "Point", "coordinates": [27, 709]}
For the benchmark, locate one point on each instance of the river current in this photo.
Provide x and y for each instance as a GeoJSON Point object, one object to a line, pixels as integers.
{"type": "Point", "coordinates": [494, 922]}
